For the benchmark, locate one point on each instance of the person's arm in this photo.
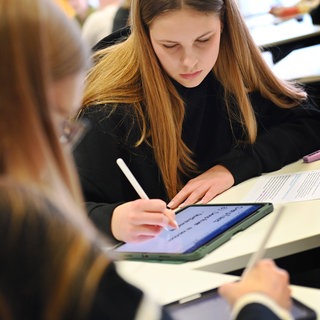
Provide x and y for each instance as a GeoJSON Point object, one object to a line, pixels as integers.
{"type": "Point", "coordinates": [133, 221]}
{"type": "Point", "coordinates": [262, 293]}
{"type": "Point", "coordinates": [284, 136]}
{"type": "Point", "coordinates": [101, 215]}
{"type": "Point", "coordinates": [100, 178]}
{"type": "Point", "coordinates": [112, 202]}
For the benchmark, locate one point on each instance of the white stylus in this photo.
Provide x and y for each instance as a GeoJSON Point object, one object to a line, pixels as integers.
{"type": "Point", "coordinates": [262, 248]}
{"type": "Point", "coordinates": [135, 184]}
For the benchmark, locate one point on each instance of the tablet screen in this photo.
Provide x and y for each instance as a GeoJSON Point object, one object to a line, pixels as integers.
{"type": "Point", "coordinates": [209, 306]}
{"type": "Point", "coordinates": [198, 224]}
{"type": "Point", "coordinates": [212, 306]}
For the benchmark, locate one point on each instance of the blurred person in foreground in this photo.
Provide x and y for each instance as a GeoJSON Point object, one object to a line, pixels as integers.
{"type": "Point", "coordinates": [53, 263]}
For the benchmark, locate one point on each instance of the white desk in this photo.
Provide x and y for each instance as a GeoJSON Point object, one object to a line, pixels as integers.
{"type": "Point", "coordinates": [168, 283]}
{"type": "Point", "coordinates": [302, 65]}
{"type": "Point", "coordinates": [298, 230]}
{"type": "Point", "coordinates": [270, 35]}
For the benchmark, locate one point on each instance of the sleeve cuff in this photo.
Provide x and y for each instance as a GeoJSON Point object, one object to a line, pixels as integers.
{"type": "Point", "coordinates": [264, 300]}
{"type": "Point", "coordinates": [241, 165]}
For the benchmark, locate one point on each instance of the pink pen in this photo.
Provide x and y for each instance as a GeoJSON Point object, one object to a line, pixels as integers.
{"type": "Point", "coordinates": [314, 156]}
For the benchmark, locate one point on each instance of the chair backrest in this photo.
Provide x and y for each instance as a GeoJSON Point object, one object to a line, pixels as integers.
{"type": "Point", "coordinates": [113, 38]}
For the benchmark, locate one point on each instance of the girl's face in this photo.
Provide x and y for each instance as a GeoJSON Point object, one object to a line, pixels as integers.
{"type": "Point", "coordinates": [186, 43]}
{"type": "Point", "coordinates": [66, 95]}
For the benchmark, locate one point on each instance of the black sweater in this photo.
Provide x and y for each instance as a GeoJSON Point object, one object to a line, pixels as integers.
{"type": "Point", "coordinates": [284, 136]}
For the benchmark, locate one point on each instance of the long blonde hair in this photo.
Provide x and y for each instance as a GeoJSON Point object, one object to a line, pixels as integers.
{"type": "Point", "coordinates": [50, 263]}
{"type": "Point", "coordinates": [41, 46]}
{"type": "Point", "coordinates": [129, 73]}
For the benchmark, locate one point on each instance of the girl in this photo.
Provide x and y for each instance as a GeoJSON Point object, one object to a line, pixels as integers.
{"type": "Point", "coordinates": [186, 99]}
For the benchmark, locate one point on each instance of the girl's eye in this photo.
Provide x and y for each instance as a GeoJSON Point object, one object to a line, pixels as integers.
{"type": "Point", "coordinates": [170, 46]}
{"type": "Point", "coordinates": [203, 40]}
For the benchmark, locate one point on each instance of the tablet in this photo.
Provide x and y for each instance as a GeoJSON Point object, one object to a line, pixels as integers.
{"type": "Point", "coordinates": [210, 305]}
{"type": "Point", "coordinates": [202, 228]}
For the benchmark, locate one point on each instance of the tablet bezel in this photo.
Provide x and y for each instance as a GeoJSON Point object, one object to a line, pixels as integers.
{"type": "Point", "coordinates": [265, 209]}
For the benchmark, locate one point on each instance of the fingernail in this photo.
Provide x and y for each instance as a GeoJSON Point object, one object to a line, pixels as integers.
{"type": "Point", "coordinates": [170, 204]}
{"type": "Point", "coordinates": [176, 224]}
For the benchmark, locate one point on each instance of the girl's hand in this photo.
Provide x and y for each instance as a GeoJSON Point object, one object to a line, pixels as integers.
{"type": "Point", "coordinates": [265, 278]}
{"type": "Point", "coordinates": [140, 220]}
{"type": "Point", "coordinates": [204, 187]}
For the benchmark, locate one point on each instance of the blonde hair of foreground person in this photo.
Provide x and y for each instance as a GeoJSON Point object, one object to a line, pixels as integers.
{"type": "Point", "coordinates": [129, 73]}
{"type": "Point", "coordinates": [41, 47]}
{"type": "Point", "coordinates": [50, 264]}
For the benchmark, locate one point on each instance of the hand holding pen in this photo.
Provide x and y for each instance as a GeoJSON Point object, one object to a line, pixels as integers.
{"type": "Point", "coordinates": [261, 276]}
{"type": "Point", "coordinates": [142, 219]}
{"type": "Point", "coordinates": [259, 253]}
{"type": "Point", "coordinates": [264, 279]}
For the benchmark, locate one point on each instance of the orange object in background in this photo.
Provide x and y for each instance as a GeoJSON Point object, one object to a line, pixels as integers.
{"type": "Point", "coordinates": [302, 7]}
{"type": "Point", "coordinates": [66, 7]}
{"type": "Point", "coordinates": [283, 12]}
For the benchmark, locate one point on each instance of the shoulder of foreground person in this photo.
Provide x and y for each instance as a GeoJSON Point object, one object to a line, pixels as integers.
{"type": "Point", "coordinates": [117, 299]}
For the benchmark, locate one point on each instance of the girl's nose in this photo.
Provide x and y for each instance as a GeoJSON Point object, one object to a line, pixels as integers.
{"type": "Point", "coordinates": [189, 59]}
